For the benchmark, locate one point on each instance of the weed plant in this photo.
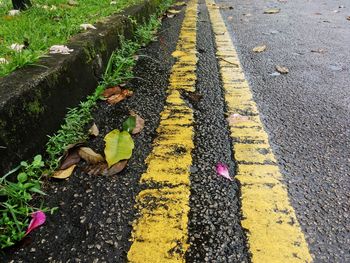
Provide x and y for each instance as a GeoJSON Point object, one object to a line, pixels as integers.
{"type": "Point", "coordinates": [16, 194]}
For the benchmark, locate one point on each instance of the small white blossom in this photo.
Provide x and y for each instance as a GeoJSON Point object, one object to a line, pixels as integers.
{"type": "Point", "coordinates": [60, 49]}
{"type": "Point", "coordinates": [14, 12]}
{"type": "Point", "coordinates": [17, 47]}
{"type": "Point", "coordinates": [113, 2]}
{"type": "Point", "coordinates": [3, 61]}
{"type": "Point", "coordinates": [87, 26]}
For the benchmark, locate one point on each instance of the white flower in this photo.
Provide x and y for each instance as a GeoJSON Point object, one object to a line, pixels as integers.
{"type": "Point", "coordinates": [14, 12]}
{"type": "Point", "coordinates": [17, 47]}
{"type": "Point", "coordinates": [113, 2]}
{"type": "Point", "coordinates": [60, 49]}
{"type": "Point", "coordinates": [87, 26]}
{"type": "Point", "coordinates": [3, 61]}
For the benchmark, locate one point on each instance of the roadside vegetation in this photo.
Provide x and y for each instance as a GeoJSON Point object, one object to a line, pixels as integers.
{"type": "Point", "coordinates": [16, 193]}
{"type": "Point", "coordinates": [26, 36]}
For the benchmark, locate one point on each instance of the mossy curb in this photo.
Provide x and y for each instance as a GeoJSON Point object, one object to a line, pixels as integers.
{"type": "Point", "coordinates": [34, 100]}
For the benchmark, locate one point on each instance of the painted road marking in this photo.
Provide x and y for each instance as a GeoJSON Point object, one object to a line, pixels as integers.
{"type": "Point", "coordinates": [273, 231]}
{"type": "Point", "coordinates": [160, 234]}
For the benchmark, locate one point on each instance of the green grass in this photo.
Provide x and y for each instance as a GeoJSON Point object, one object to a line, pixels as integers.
{"type": "Point", "coordinates": [16, 194]}
{"type": "Point", "coordinates": [42, 28]}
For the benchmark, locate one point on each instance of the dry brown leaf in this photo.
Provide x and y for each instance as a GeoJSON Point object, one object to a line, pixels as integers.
{"type": "Point", "coordinates": [140, 123]}
{"type": "Point", "coordinates": [93, 131]}
{"type": "Point", "coordinates": [114, 99]}
{"type": "Point", "coordinates": [64, 174]}
{"type": "Point", "coordinates": [97, 169]}
{"type": "Point", "coordinates": [236, 118]}
{"type": "Point", "coordinates": [70, 159]}
{"type": "Point", "coordinates": [272, 11]}
{"type": "Point", "coordinates": [116, 168]}
{"type": "Point", "coordinates": [111, 91]}
{"type": "Point", "coordinates": [90, 156]}
{"type": "Point", "coordinates": [281, 69]}
{"type": "Point", "coordinates": [259, 49]}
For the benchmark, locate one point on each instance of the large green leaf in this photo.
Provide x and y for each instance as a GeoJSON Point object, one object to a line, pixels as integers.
{"type": "Point", "coordinates": [119, 146]}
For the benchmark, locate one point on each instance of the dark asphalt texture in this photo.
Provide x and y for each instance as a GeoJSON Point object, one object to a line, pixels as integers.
{"type": "Point", "coordinates": [306, 112]}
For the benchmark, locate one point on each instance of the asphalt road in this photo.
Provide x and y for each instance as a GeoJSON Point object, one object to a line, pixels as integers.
{"type": "Point", "coordinates": [305, 113]}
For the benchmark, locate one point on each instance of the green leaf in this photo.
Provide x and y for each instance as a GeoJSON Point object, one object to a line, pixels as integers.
{"type": "Point", "coordinates": [36, 190]}
{"type": "Point", "coordinates": [119, 146]}
{"type": "Point", "coordinates": [22, 177]}
{"type": "Point", "coordinates": [129, 124]}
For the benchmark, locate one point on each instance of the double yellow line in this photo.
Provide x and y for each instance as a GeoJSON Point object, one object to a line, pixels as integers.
{"type": "Point", "coordinates": [160, 232]}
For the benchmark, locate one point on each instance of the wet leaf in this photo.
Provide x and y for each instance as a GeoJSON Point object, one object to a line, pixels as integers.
{"type": "Point", "coordinates": [111, 91]}
{"type": "Point", "coordinates": [93, 131]}
{"type": "Point", "coordinates": [90, 156]}
{"type": "Point", "coordinates": [116, 168]}
{"type": "Point", "coordinates": [236, 118]}
{"type": "Point", "coordinates": [114, 99]}
{"type": "Point", "coordinates": [97, 169]}
{"type": "Point", "coordinates": [173, 11]}
{"type": "Point", "coordinates": [319, 50]}
{"type": "Point", "coordinates": [179, 4]}
{"type": "Point", "coordinates": [282, 70]}
{"type": "Point", "coordinates": [64, 174]}
{"type": "Point", "coordinates": [272, 11]}
{"type": "Point", "coordinates": [259, 49]}
{"type": "Point", "coordinates": [38, 218]}
{"type": "Point", "coordinates": [129, 124]}
{"type": "Point", "coordinates": [71, 158]}
{"type": "Point", "coordinates": [139, 123]}
{"type": "Point", "coordinates": [222, 170]}
{"type": "Point", "coordinates": [119, 146]}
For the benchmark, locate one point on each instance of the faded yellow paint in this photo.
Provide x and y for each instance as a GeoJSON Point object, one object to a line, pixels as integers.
{"type": "Point", "coordinates": [273, 231]}
{"type": "Point", "coordinates": [160, 232]}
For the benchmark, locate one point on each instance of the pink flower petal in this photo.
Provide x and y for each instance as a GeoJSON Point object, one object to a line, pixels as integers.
{"type": "Point", "coordinates": [222, 170]}
{"type": "Point", "coordinates": [38, 218]}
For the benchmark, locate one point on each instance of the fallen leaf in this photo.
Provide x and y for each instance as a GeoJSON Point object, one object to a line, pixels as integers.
{"type": "Point", "coordinates": [173, 11]}
{"type": "Point", "coordinates": [114, 99]}
{"type": "Point", "coordinates": [3, 61]}
{"type": "Point", "coordinates": [272, 11]}
{"type": "Point", "coordinates": [93, 131]}
{"type": "Point", "coordinates": [38, 218]}
{"type": "Point", "coordinates": [111, 91]}
{"type": "Point", "coordinates": [282, 70]}
{"type": "Point", "coordinates": [90, 156]}
{"type": "Point", "coordinates": [97, 169]}
{"type": "Point", "coordinates": [348, 18]}
{"type": "Point", "coordinates": [222, 170]}
{"type": "Point", "coordinates": [179, 4]}
{"type": "Point", "coordinates": [64, 174]}
{"type": "Point", "coordinates": [259, 49]}
{"type": "Point", "coordinates": [60, 49]}
{"type": "Point", "coordinates": [129, 124]}
{"type": "Point", "coordinates": [236, 118]}
{"type": "Point", "coordinates": [116, 168]}
{"type": "Point", "coordinates": [119, 146]}
{"type": "Point", "coordinates": [87, 26]}
{"type": "Point", "coordinates": [17, 47]}
{"type": "Point", "coordinates": [319, 50]}
{"type": "Point", "coordinates": [14, 12]}
{"type": "Point", "coordinates": [139, 123]}
{"type": "Point", "coordinates": [70, 159]}
{"type": "Point", "coordinates": [73, 3]}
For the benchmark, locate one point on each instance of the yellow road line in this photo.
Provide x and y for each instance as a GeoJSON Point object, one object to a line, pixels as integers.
{"type": "Point", "coordinates": [273, 231]}
{"type": "Point", "coordinates": [160, 233]}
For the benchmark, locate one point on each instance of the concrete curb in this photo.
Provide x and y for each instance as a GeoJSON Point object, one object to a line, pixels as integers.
{"type": "Point", "coordinates": [34, 100]}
